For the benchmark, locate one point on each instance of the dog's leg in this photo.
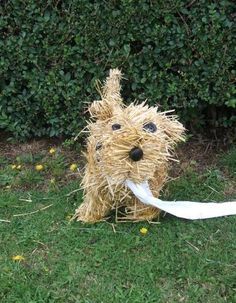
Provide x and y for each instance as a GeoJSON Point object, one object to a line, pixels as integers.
{"type": "Point", "coordinates": [138, 211]}
{"type": "Point", "coordinates": [93, 209]}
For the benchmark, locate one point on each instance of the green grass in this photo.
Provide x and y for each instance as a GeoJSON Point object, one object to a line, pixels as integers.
{"type": "Point", "coordinates": [228, 161]}
{"type": "Point", "coordinates": [177, 261]}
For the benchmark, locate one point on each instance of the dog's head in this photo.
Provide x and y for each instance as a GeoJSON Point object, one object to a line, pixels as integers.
{"type": "Point", "coordinates": [129, 142]}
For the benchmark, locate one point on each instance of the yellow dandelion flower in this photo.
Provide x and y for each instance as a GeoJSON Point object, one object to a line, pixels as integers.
{"type": "Point", "coordinates": [52, 181]}
{"type": "Point", "coordinates": [18, 258]}
{"type": "Point", "coordinates": [52, 151]}
{"type": "Point", "coordinates": [73, 167]}
{"type": "Point", "coordinates": [39, 167]}
{"type": "Point", "coordinates": [143, 230]}
{"type": "Point", "coordinates": [18, 167]}
{"type": "Point", "coordinates": [13, 166]}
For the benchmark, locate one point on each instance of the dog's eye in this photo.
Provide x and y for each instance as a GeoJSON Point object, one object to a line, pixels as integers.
{"type": "Point", "coordinates": [115, 126]}
{"type": "Point", "coordinates": [150, 127]}
{"type": "Point", "coordinates": [98, 146]}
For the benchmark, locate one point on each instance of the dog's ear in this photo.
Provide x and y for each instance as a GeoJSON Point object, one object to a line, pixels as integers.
{"type": "Point", "coordinates": [110, 97]}
{"type": "Point", "coordinates": [173, 129]}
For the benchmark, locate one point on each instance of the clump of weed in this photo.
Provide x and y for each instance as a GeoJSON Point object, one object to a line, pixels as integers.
{"type": "Point", "coordinates": [3, 161]}
{"type": "Point", "coordinates": [57, 165]}
{"type": "Point", "coordinates": [29, 177]}
{"type": "Point", "coordinates": [45, 169]}
{"type": "Point", "coordinates": [228, 161]}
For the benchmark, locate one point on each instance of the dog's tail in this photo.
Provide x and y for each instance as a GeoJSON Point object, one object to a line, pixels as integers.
{"type": "Point", "coordinates": [111, 89]}
{"type": "Point", "coordinates": [110, 95]}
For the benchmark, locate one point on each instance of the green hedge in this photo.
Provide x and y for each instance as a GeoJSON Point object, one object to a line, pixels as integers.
{"type": "Point", "coordinates": [180, 54]}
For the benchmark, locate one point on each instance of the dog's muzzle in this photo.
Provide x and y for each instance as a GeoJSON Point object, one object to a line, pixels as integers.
{"type": "Point", "coordinates": [136, 154]}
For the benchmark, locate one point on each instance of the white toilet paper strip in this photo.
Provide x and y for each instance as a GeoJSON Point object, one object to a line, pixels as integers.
{"type": "Point", "coordinates": [182, 209]}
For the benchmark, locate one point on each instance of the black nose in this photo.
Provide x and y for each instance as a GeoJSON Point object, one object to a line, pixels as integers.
{"type": "Point", "coordinates": [136, 154]}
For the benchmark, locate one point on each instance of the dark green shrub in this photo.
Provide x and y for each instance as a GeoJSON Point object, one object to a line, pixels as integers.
{"type": "Point", "coordinates": [179, 54]}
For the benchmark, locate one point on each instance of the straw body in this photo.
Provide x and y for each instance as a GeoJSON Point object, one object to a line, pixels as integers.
{"type": "Point", "coordinates": [132, 142]}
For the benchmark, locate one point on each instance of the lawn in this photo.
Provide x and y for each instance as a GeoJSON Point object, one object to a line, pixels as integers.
{"type": "Point", "coordinates": [45, 257]}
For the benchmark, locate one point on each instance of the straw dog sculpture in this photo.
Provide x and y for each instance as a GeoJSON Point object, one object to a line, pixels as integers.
{"type": "Point", "coordinates": [131, 142]}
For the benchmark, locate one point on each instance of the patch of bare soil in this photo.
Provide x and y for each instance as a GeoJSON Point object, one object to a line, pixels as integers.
{"type": "Point", "coordinates": [198, 153]}
{"type": "Point", "coordinates": [34, 146]}
{"type": "Point", "coordinates": [12, 150]}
